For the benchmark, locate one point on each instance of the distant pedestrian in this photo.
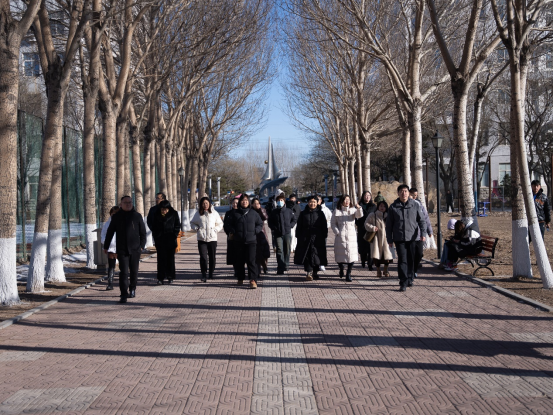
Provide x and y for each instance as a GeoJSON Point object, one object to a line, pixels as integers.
{"type": "Point", "coordinates": [242, 227]}
{"type": "Point", "coordinates": [449, 201]}
{"type": "Point", "coordinates": [165, 226]}
{"type": "Point", "coordinates": [379, 251]}
{"type": "Point", "coordinates": [281, 220]}
{"type": "Point", "coordinates": [346, 242]}
{"type": "Point", "coordinates": [112, 251]}
{"type": "Point", "coordinates": [379, 198]}
{"type": "Point", "coordinates": [542, 206]}
{"type": "Point", "coordinates": [262, 243]}
{"type": "Point", "coordinates": [311, 232]}
{"type": "Point", "coordinates": [328, 214]}
{"type": "Point", "coordinates": [232, 256]}
{"type": "Point", "coordinates": [207, 224]}
{"type": "Point", "coordinates": [403, 220]}
{"type": "Point", "coordinates": [294, 205]}
{"type": "Point", "coordinates": [363, 246]}
{"type": "Point", "coordinates": [131, 238]}
{"type": "Point", "coordinates": [418, 252]}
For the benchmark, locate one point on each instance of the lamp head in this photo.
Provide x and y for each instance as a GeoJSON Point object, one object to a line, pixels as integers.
{"type": "Point", "coordinates": [437, 140]}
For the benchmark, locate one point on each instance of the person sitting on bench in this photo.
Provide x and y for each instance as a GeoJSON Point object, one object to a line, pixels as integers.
{"type": "Point", "coordinates": [466, 242]}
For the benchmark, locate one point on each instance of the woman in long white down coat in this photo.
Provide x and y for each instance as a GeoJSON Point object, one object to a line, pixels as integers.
{"type": "Point", "coordinates": [379, 251]}
{"type": "Point", "coordinates": [346, 240]}
{"type": "Point", "coordinates": [112, 254]}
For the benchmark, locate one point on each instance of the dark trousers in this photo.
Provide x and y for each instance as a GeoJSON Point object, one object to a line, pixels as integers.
{"type": "Point", "coordinates": [111, 265]}
{"type": "Point", "coordinates": [166, 263]}
{"type": "Point", "coordinates": [207, 256]}
{"type": "Point", "coordinates": [449, 205]}
{"type": "Point", "coordinates": [418, 254]}
{"type": "Point", "coordinates": [405, 251]}
{"type": "Point", "coordinates": [246, 253]}
{"type": "Point", "coordinates": [128, 271]}
{"type": "Point", "coordinates": [283, 252]}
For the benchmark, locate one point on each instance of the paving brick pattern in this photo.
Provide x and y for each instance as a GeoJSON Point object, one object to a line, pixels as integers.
{"type": "Point", "coordinates": [446, 346]}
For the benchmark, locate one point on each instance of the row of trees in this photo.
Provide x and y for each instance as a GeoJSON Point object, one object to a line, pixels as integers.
{"type": "Point", "coordinates": [167, 84]}
{"type": "Point", "coordinates": [379, 76]}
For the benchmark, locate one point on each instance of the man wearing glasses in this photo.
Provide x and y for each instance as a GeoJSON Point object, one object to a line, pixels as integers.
{"type": "Point", "coordinates": [131, 239]}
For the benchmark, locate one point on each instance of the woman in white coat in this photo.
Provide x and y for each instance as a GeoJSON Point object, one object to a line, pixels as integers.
{"type": "Point", "coordinates": [346, 240]}
{"type": "Point", "coordinates": [207, 223]}
{"type": "Point", "coordinates": [379, 251]}
{"type": "Point", "coordinates": [112, 255]}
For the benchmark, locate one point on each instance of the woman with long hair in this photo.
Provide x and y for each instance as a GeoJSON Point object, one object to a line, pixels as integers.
{"type": "Point", "coordinates": [344, 227]}
{"type": "Point", "coordinates": [366, 202]}
{"type": "Point", "coordinates": [207, 223]}
{"type": "Point", "coordinates": [379, 251]}
{"type": "Point", "coordinates": [262, 244]}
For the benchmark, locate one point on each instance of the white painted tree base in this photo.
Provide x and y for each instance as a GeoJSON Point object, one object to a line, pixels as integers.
{"type": "Point", "coordinates": [90, 239]}
{"type": "Point", "coordinates": [35, 278]}
{"type": "Point", "coordinates": [54, 259]}
{"type": "Point", "coordinates": [542, 256]}
{"type": "Point", "coordinates": [521, 258]}
{"type": "Point", "coordinates": [8, 274]}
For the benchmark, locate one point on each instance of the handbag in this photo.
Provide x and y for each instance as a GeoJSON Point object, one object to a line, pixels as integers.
{"type": "Point", "coordinates": [369, 236]}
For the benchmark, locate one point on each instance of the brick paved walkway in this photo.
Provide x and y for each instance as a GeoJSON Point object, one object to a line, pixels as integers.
{"type": "Point", "coordinates": [291, 347]}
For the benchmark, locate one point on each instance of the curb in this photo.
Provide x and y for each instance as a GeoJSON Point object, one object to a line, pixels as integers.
{"type": "Point", "coordinates": [15, 319]}
{"type": "Point", "coordinates": [501, 290]}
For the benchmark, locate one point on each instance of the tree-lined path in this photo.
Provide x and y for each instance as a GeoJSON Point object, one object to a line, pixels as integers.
{"type": "Point", "coordinates": [290, 347]}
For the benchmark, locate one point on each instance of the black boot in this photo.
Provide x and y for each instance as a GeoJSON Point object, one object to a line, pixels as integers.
{"type": "Point", "coordinates": [204, 279]}
{"type": "Point", "coordinates": [341, 270]}
{"type": "Point", "coordinates": [132, 293]}
{"type": "Point", "coordinates": [211, 274]}
{"type": "Point", "coordinates": [370, 265]}
{"type": "Point", "coordinates": [110, 279]}
{"type": "Point", "coordinates": [349, 273]}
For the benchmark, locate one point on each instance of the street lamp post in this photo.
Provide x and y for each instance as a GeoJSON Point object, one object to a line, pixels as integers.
{"type": "Point", "coordinates": [218, 194]}
{"type": "Point", "coordinates": [181, 172]}
{"type": "Point", "coordinates": [437, 143]}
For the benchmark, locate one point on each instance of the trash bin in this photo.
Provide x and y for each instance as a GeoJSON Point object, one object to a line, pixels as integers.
{"type": "Point", "coordinates": [100, 258]}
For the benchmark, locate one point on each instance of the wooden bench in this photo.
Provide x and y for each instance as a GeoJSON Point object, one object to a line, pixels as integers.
{"type": "Point", "coordinates": [483, 259]}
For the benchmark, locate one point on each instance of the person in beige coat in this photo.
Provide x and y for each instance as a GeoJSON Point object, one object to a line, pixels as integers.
{"type": "Point", "coordinates": [343, 224]}
{"type": "Point", "coordinates": [379, 250]}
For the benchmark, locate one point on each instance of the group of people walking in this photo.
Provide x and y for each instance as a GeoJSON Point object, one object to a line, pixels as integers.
{"type": "Point", "coordinates": [365, 230]}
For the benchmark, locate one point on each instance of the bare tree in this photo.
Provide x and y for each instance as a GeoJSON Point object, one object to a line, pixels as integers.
{"type": "Point", "coordinates": [12, 32]}
{"type": "Point", "coordinates": [522, 26]}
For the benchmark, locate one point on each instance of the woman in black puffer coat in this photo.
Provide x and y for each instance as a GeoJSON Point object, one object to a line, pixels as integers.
{"type": "Point", "coordinates": [165, 227]}
{"type": "Point", "coordinates": [242, 227]}
{"type": "Point", "coordinates": [311, 233]}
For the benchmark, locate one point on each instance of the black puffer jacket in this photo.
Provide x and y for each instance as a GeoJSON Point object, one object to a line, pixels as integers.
{"type": "Point", "coordinates": [165, 229]}
{"type": "Point", "coordinates": [295, 207]}
{"type": "Point", "coordinates": [130, 229]}
{"type": "Point", "coordinates": [242, 225]}
{"type": "Point", "coordinates": [311, 233]}
{"type": "Point", "coordinates": [281, 221]}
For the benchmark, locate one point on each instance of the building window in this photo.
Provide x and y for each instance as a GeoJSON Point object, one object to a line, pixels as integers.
{"type": "Point", "coordinates": [31, 64]}
{"type": "Point", "coordinates": [504, 172]}
{"type": "Point", "coordinates": [57, 25]}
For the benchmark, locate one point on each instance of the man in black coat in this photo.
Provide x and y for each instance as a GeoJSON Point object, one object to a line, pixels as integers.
{"type": "Point", "coordinates": [165, 226]}
{"type": "Point", "coordinates": [280, 221]}
{"type": "Point", "coordinates": [242, 227]}
{"type": "Point", "coordinates": [152, 211]}
{"type": "Point", "coordinates": [131, 238]}
{"type": "Point", "coordinates": [404, 218]}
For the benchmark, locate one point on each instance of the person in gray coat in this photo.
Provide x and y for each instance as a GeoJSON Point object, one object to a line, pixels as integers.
{"type": "Point", "coordinates": [404, 221]}
{"type": "Point", "coordinates": [428, 231]}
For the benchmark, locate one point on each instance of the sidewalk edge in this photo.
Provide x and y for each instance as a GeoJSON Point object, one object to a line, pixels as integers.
{"type": "Point", "coordinates": [501, 290]}
{"type": "Point", "coordinates": [15, 319]}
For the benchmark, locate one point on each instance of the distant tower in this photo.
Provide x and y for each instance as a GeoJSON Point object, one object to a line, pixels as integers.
{"type": "Point", "coordinates": [271, 178]}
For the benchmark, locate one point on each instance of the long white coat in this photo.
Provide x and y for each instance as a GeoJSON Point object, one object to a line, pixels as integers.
{"type": "Point", "coordinates": [103, 236]}
{"type": "Point", "coordinates": [344, 227]}
{"type": "Point", "coordinates": [207, 225]}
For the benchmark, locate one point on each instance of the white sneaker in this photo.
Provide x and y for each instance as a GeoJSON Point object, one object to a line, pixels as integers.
{"type": "Point", "coordinates": [322, 269]}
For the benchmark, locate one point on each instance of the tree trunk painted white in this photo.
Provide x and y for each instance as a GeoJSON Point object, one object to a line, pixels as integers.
{"type": "Point", "coordinates": [521, 259]}
{"type": "Point", "coordinates": [406, 156]}
{"type": "Point", "coordinates": [366, 160]}
{"type": "Point", "coordinates": [418, 154]}
{"type": "Point", "coordinates": [90, 239]}
{"type": "Point", "coordinates": [35, 278]}
{"type": "Point", "coordinates": [8, 272]}
{"type": "Point", "coordinates": [352, 178]}
{"type": "Point", "coordinates": [54, 260]}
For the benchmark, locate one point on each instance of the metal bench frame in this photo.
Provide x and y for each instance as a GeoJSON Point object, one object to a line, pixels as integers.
{"type": "Point", "coordinates": [482, 260]}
